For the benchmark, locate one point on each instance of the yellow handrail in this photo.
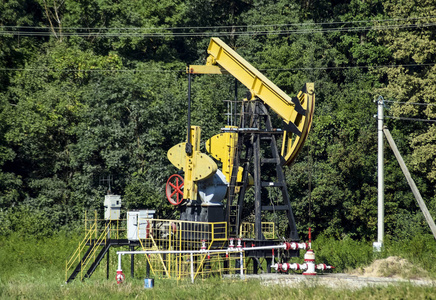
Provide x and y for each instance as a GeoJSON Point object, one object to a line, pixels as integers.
{"type": "Point", "coordinates": [161, 235]}
{"type": "Point", "coordinates": [102, 238]}
{"type": "Point", "coordinates": [77, 254]}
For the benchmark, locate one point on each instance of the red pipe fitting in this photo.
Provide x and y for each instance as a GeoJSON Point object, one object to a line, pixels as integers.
{"type": "Point", "coordinates": [120, 277]}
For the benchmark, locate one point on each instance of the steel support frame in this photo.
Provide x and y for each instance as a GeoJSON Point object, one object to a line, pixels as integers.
{"type": "Point", "coordinates": [249, 157]}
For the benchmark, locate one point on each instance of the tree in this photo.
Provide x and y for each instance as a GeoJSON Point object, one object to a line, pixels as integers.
{"type": "Point", "coordinates": [411, 85]}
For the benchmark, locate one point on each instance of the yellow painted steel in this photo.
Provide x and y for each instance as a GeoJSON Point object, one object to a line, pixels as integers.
{"type": "Point", "coordinates": [96, 244]}
{"type": "Point", "coordinates": [222, 57]}
{"type": "Point", "coordinates": [293, 143]}
{"type": "Point", "coordinates": [166, 235]}
{"type": "Point", "coordinates": [249, 76]}
{"type": "Point", "coordinates": [206, 69]}
{"type": "Point", "coordinates": [196, 166]}
{"type": "Point", "coordinates": [246, 230]}
{"type": "Point", "coordinates": [184, 236]}
{"type": "Point", "coordinates": [222, 147]}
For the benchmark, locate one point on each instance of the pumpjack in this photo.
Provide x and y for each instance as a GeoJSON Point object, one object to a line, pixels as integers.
{"type": "Point", "coordinates": [250, 154]}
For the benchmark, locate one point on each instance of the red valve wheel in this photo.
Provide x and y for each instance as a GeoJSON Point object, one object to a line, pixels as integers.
{"type": "Point", "coordinates": [174, 189]}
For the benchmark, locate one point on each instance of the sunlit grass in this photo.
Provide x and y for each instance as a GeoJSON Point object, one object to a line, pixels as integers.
{"type": "Point", "coordinates": [34, 269]}
{"type": "Point", "coordinates": [52, 288]}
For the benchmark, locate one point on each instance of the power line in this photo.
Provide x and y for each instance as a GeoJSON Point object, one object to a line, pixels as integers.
{"type": "Point", "coordinates": [46, 32]}
{"type": "Point", "coordinates": [91, 70]}
{"type": "Point", "coordinates": [410, 119]}
{"type": "Point", "coordinates": [411, 103]}
{"type": "Point", "coordinates": [224, 26]}
{"type": "Point", "coordinates": [351, 67]}
{"type": "Point", "coordinates": [183, 70]}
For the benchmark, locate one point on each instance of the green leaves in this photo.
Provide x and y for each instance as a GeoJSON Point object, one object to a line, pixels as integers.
{"type": "Point", "coordinates": [111, 100]}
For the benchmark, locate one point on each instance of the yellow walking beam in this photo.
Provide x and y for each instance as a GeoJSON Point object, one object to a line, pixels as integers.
{"type": "Point", "coordinates": [296, 112]}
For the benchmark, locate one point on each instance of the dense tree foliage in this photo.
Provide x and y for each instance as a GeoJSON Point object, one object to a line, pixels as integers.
{"type": "Point", "coordinates": [97, 88]}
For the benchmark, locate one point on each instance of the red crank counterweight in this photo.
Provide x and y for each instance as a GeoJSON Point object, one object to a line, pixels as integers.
{"type": "Point", "coordinates": [174, 189]}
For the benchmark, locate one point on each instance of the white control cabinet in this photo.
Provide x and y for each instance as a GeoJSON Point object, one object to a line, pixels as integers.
{"type": "Point", "coordinates": [112, 207]}
{"type": "Point", "coordinates": [139, 225]}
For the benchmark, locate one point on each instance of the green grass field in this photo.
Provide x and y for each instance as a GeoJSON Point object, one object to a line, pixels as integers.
{"type": "Point", "coordinates": [34, 269]}
{"type": "Point", "coordinates": [47, 286]}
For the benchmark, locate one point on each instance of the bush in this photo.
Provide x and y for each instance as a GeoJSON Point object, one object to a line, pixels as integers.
{"type": "Point", "coordinates": [34, 254]}
{"type": "Point", "coordinates": [420, 250]}
{"type": "Point", "coordinates": [342, 254]}
{"type": "Point", "coordinates": [25, 221]}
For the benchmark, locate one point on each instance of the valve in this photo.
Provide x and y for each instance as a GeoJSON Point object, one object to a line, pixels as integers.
{"type": "Point", "coordinates": [231, 243]}
{"type": "Point", "coordinates": [174, 189]}
{"type": "Point", "coordinates": [309, 260]}
{"type": "Point", "coordinates": [203, 245]}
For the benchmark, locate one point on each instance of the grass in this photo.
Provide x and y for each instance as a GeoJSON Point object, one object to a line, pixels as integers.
{"type": "Point", "coordinates": [52, 288]}
{"type": "Point", "coordinates": [34, 269]}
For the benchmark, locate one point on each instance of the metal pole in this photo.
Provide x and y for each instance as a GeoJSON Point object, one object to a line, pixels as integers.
{"type": "Point", "coordinates": [192, 268]}
{"type": "Point", "coordinates": [132, 262]}
{"type": "Point", "coordinates": [241, 265]}
{"type": "Point", "coordinates": [188, 149]}
{"type": "Point", "coordinates": [108, 251]}
{"type": "Point", "coordinates": [235, 104]}
{"type": "Point", "coordinates": [119, 261]}
{"type": "Point", "coordinates": [258, 189]}
{"type": "Point", "coordinates": [107, 264]}
{"type": "Point", "coordinates": [411, 182]}
{"type": "Point", "coordinates": [380, 173]}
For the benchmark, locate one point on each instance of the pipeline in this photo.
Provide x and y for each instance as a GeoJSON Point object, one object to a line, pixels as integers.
{"type": "Point", "coordinates": [308, 266]}
{"type": "Point", "coordinates": [120, 277]}
{"type": "Point", "coordinates": [286, 246]}
{"type": "Point", "coordinates": [285, 267]}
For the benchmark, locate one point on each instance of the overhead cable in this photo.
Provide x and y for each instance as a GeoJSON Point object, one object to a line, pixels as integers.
{"type": "Point", "coordinates": [183, 70]}
{"type": "Point", "coordinates": [226, 26]}
{"type": "Point", "coordinates": [411, 119]}
{"type": "Point", "coordinates": [160, 32]}
{"type": "Point", "coordinates": [411, 103]}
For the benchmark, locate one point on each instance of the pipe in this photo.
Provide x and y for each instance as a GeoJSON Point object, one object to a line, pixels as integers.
{"type": "Point", "coordinates": [272, 256]}
{"type": "Point", "coordinates": [241, 264]}
{"type": "Point", "coordinates": [285, 267]}
{"type": "Point", "coordinates": [323, 267]}
{"type": "Point", "coordinates": [286, 245]}
{"type": "Point", "coordinates": [192, 268]}
{"type": "Point", "coordinates": [310, 238]}
{"type": "Point", "coordinates": [308, 267]}
{"type": "Point", "coordinates": [119, 262]}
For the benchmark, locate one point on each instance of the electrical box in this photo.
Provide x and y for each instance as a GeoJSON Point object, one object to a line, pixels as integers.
{"type": "Point", "coordinates": [139, 224]}
{"type": "Point", "coordinates": [112, 207]}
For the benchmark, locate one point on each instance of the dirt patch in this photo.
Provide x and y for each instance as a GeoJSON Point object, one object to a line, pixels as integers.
{"type": "Point", "coordinates": [393, 267]}
{"type": "Point", "coordinates": [334, 280]}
